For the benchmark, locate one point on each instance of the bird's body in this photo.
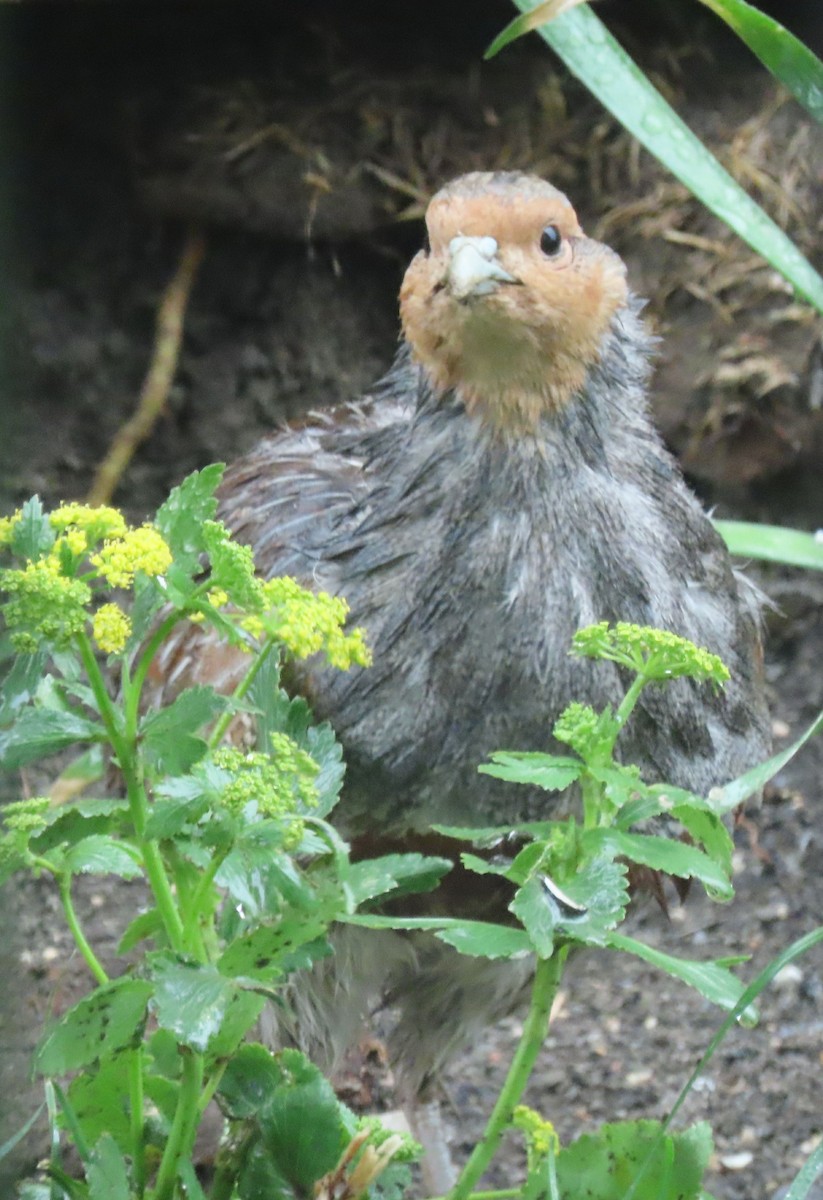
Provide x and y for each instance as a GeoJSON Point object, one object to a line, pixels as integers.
{"type": "Point", "coordinates": [502, 487]}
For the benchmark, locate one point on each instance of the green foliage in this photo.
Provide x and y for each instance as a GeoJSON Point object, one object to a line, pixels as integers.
{"type": "Point", "coordinates": [243, 873]}
{"type": "Point", "coordinates": [590, 52]}
{"type": "Point", "coordinates": [245, 876]}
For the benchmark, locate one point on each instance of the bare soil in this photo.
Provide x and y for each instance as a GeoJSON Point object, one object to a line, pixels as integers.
{"type": "Point", "coordinates": [305, 148]}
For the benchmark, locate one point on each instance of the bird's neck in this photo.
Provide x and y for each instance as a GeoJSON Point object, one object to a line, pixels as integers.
{"type": "Point", "coordinates": [532, 408]}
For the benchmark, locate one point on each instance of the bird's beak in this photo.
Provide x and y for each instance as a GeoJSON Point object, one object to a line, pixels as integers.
{"type": "Point", "coordinates": [473, 267]}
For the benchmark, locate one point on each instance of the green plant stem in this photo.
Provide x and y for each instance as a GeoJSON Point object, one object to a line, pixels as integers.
{"type": "Point", "coordinates": [191, 931]}
{"type": "Point", "coordinates": [136, 1122]}
{"type": "Point", "coordinates": [181, 1135]}
{"type": "Point", "coordinates": [546, 982]}
{"type": "Point", "coordinates": [211, 1085]}
{"type": "Point", "coordinates": [628, 703]}
{"type": "Point", "coordinates": [124, 745]}
{"type": "Point", "coordinates": [91, 959]}
{"type": "Point", "coordinates": [239, 692]}
{"type": "Point", "coordinates": [135, 691]}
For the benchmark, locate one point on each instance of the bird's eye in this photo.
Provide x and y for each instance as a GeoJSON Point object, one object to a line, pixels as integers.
{"type": "Point", "coordinates": [550, 240]}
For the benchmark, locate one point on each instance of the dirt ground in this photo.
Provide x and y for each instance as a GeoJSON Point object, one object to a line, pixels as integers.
{"type": "Point", "coordinates": [304, 150]}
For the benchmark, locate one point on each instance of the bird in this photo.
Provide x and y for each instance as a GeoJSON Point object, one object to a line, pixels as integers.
{"type": "Point", "coordinates": [501, 487]}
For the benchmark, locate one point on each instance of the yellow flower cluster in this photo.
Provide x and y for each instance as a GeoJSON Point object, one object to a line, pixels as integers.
{"type": "Point", "coordinates": [50, 595]}
{"type": "Point", "coordinates": [654, 653]}
{"type": "Point", "coordinates": [541, 1136]}
{"type": "Point", "coordinates": [43, 604]}
{"type": "Point", "coordinates": [307, 622]}
{"type": "Point", "coordinates": [143, 549]}
{"type": "Point", "coordinates": [110, 628]}
{"type": "Point", "coordinates": [281, 784]}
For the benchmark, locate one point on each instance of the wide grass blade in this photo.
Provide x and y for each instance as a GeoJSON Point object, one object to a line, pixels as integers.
{"type": "Point", "coordinates": [592, 54]}
{"type": "Point", "coordinates": [773, 543]}
{"type": "Point", "coordinates": [784, 54]}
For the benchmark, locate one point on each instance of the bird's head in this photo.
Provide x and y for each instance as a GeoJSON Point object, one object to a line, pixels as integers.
{"type": "Point", "coordinates": [510, 302]}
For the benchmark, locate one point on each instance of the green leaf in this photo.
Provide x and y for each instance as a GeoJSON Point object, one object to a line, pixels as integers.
{"type": "Point", "coordinates": [179, 802]}
{"type": "Point", "coordinates": [731, 795]}
{"type": "Point", "coordinates": [400, 874]}
{"type": "Point", "coordinates": [72, 822]}
{"type": "Point", "coordinates": [272, 951]}
{"type": "Point", "coordinates": [20, 684]}
{"type": "Point", "coordinates": [99, 1024]}
{"type": "Point", "coordinates": [39, 732]}
{"type": "Point", "coordinates": [180, 519]}
{"type": "Point", "coordinates": [662, 854]}
{"type": "Point", "coordinates": [705, 827]}
{"type": "Point", "coordinates": [549, 771]}
{"type": "Point", "coordinates": [188, 1177]}
{"type": "Point", "coordinates": [602, 1165]}
{"type": "Point", "coordinates": [258, 876]}
{"type": "Point", "coordinates": [600, 887]}
{"type": "Point", "coordinates": [803, 1181]}
{"type": "Point", "coordinates": [532, 909]}
{"type": "Point", "coordinates": [169, 733]}
{"type": "Point", "coordinates": [32, 534]}
{"type": "Point", "coordinates": [302, 1126]}
{"type": "Point", "coordinates": [100, 1100]}
{"type": "Point", "coordinates": [100, 855]}
{"type": "Point", "coordinates": [190, 1000]}
{"type": "Point", "coordinates": [773, 543]}
{"type": "Point", "coordinates": [592, 54]}
{"type": "Point", "coordinates": [780, 51]}
{"type": "Point", "coordinates": [145, 925]}
{"type": "Point", "coordinates": [107, 1176]}
{"type": "Point", "coordinates": [480, 939]}
{"type": "Point", "coordinates": [260, 1177]}
{"type": "Point", "coordinates": [242, 1012]}
{"type": "Point", "coordinates": [248, 1082]}
{"type": "Point", "coordinates": [710, 979]}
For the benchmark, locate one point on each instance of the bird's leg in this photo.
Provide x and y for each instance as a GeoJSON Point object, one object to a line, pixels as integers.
{"type": "Point", "coordinates": [426, 1121]}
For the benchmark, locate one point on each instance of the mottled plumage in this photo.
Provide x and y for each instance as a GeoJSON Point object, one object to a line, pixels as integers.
{"type": "Point", "coordinates": [500, 488]}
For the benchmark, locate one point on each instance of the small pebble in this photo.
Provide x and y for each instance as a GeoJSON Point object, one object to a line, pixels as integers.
{"type": "Point", "coordinates": [736, 1162]}
{"type": "Point", "coordinates": [788, 977]}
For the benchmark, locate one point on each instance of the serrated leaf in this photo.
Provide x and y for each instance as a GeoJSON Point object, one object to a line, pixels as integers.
{"type": "Point", "coordinates": [551, 772]}
{"type": "Point", "coordinates": [100, 1100]}
{"type": "Point", "coordinates": [662, 854]}
{"type": "Point", "coordinates": [302, 1126]}
{"type": "Point", "coordinates": [201, 1007]}
{"type": "Point", "coordinates": [480, 939]}
{"type": "Point", "coordinates": [248, 1081]}
{"type": "Point", "coordinates": [271, 951]}
{"type": "Point", "coordinates": [603, 1165]}
{"type": "Point", "coordinates": [531, 907]}
{"type": "Point", "coordinates": [103, 1022]}
{"type": "Point", "coordinates": [39, 732]}
{"type": "Point", "coordinates": [32, 534]}
{"type": "Point", "coordinates": [398, 874]}
{"type": "Point", "coordinates": [71, 823]}
{"type": "Point", "coordinates": [101, 855]}
{"type": "Point", "coordinates": [260, 1177]}
{"type": "Point", "coordinates": [180, 519]}
{"type": "Point", "coordinates": [169, 816]}
{"type": "Point", "coordinates": [169, 734]}
{"type": "Point", "coordinates": [107, 1176]}
{"type": "Point", "coordinates": [706, 828]}
{"type": "Point", "coordinates": [601, 888]}
{"type": "Point", "coordinates": [710, 979]}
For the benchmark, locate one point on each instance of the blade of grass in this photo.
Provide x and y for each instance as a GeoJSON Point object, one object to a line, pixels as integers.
{"type": "Point", "coordinates": [592, 54]}
{"type": "Point", "coordinates": [795, 950]}
{"type": "Point", "coordinates": [772, 543]}
{"type": "Point", "coordinates": [780, 51]}
{"type": "Point", "coordinates": [728, 797]}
